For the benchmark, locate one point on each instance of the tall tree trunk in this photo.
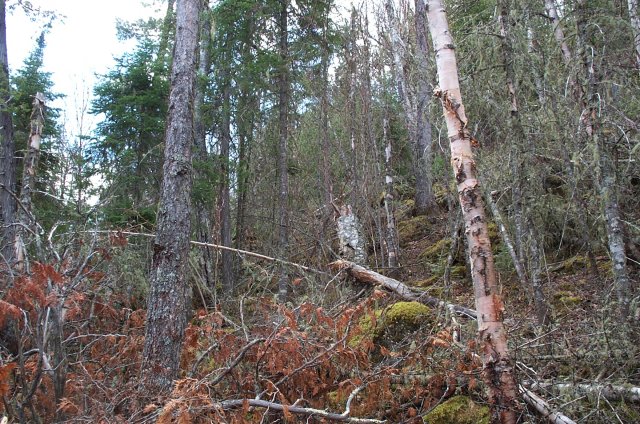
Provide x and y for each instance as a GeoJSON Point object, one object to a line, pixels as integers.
{"type": "Point", "coordinates": [604, 159]}
{"type": "Point", "coordinates": [498, 366]}
{"type": "Point", "coordinates": [634, 17]}
{"type": "Point", "coordinates": [224, 197]}
{"type": "Point", "coordinates": [169, 292]}
{"type": "Point", "coordinates": [518, 154]}
{"type": "Point", "coordinates": [25, 213]}
{"type": "Point", "coordinates": [283, 183]}
{"type": "Point", "coordinates": [202, 212]}
{"type": "Point", "coordinates": [7, 144]}
{"type": "Point", "coordinates": [391, 235]}
{"type": "Point", "coordinates": [425, 199]}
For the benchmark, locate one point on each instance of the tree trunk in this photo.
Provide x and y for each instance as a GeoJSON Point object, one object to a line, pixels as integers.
{"type": "Point", "coordinates": [283, 183]}
{"type": "Point", "coordinates": [425, 199]}
{"type": "Point", "coordinates": [25, 213]}
{"type": "Point", "coordinates": [7, 145]}
{"type": "Point", "coordinates": [391, 234]}
{"type": "Point", "coordinates": [169, 293]}
{"type": "Point", "coordinates": [522, 218]}
{"type": "Point", "coordinates": [202, 218]}
{"type": "Point", "coordinates": [224, 197]}
{"type": "Point", "coordinates": [635, 27]}
{"type": "Point", "coordinates": [604, 160]}
{"type": "Point", "coordinates": [498, 366]}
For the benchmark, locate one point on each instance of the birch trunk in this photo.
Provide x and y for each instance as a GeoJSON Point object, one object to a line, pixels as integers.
{"type": "Point", "coordinates": [25, 213]}
{"type": "Point", "coordinates": [635, 27]}
{"type": "Point", "coordinates": [391, 239]}
{"type": "Point", "coordinates": [169, 291]}
{"type": "Point", "coordinates": [497, 363]}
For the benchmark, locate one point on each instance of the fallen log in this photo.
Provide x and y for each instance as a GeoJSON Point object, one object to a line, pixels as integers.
{"type": "Point", "coordinates": [365, 275]}
{"type": "Point", "coordinates": [608, 391]}
{"type": "Point", "coordinates": [543, 408]}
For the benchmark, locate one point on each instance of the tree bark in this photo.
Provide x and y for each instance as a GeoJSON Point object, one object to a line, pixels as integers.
{"type": "Point", "coordinates": [7, 144]}
{"type": "Point", "coordinates": [25, 213]}
{"type": "Point", "coordinates": [497, 363]}
{"type": "Point", "coordinates": [283, 183]}
{"type": "Point", "coordinates": [169, 291]}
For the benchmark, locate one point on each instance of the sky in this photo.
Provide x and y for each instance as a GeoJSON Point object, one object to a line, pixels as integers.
{"type": "Point", "coordinates": [80, 44]}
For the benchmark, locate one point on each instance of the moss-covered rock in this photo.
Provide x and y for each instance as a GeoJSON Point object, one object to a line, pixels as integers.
{"type": "Point", "coordinates": [412, 229]}
{"type": "Point", "coordinates": [406, 316]}
{"type": "Point", "coordinates": [458, 410]}
{"type": "Point", "coordinates": [436, 251]}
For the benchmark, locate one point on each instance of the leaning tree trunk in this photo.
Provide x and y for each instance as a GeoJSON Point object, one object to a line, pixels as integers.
{"type": "Point", "coordinates": [25, 214]}
{"type": "Point", "coordinates": [498, 366]}
{"type": "Point", "coordinates": [604, 159]}
{"type": "Point", "coordinates": [558, 32]}
{"type": "Point", "coordinates": [169, 292]}
{"type": "Point", "coordinates": [7, 146]}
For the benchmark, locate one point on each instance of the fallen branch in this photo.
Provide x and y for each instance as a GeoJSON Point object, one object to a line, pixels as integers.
{"type": "Point", "coordinates": [310, 412]}
{"type": "Point", "coordinates": [365, 275]}
{"type": "Point", "coordinates": [218, 247]}
{"type": "Point", "coordinates": [543, 407]}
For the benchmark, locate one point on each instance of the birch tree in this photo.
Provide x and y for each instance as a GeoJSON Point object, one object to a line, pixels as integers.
{"type": "Point", "coordinates": [497, 363]}
{"type": "Point", "coordinates": [169, 291]}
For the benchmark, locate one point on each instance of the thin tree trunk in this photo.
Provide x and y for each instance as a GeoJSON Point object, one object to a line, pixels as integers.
{"type": "Point", "coordinates": [283, 184]}
{"type": "Point", "coordinates": [522, 218]}
{"type": "Point", "coordinates": [7, 145]}
{"type": "Point", "coordinates": [498, 366]}
{"type": "Point", "coordinates": [506, 239]}
{"type": "Point", "coordinates": [634, 17]}
{"type": "Point", "coordinates": [202, 218]}
{"type": "Point", "coordinates": [25, 213]}
{"type": "Point", "coordinates": [425, 200]}
{"type": "Point", "coordinates": [391, 235]}
{"type": "Point", "coordinates": [169, 293]}
{"type": "Point", "coordinates": [604, 162]}
{"type": "Point", "coordinates": [224, 197]}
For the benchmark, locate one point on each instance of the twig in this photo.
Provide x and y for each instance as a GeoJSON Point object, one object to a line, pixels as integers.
{"type": "Point", "coordinates": [235, 362]}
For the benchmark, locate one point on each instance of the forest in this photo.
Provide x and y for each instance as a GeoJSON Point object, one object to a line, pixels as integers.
{"type": "Point", "coordinates": [319, 211]}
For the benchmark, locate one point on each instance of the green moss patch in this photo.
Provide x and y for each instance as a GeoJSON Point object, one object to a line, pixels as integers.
{"type": "Point", "coordinates": [412, 229]}
{"type": "Point", "coordinates": [458, 410]}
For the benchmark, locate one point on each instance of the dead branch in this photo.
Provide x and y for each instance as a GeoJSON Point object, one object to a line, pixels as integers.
{"type": "Point", "coordinates": [310, 412]}
{"type": "Point", "coordinates": [543, 407]}
{"type": "Point", "coordinates": [365, 275]}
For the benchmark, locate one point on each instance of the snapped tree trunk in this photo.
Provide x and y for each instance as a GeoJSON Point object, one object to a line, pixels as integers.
{"type": "Point", "coordinates": [169, 292]}
{"type": "Point", "coordinates": [25, 213]}
{"type": "Point", "coordinates": [7, 145]}
{"type": "Point", "coordinates": [283, 182]}
{"type": "Point", "coordinates": [497, 363]}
